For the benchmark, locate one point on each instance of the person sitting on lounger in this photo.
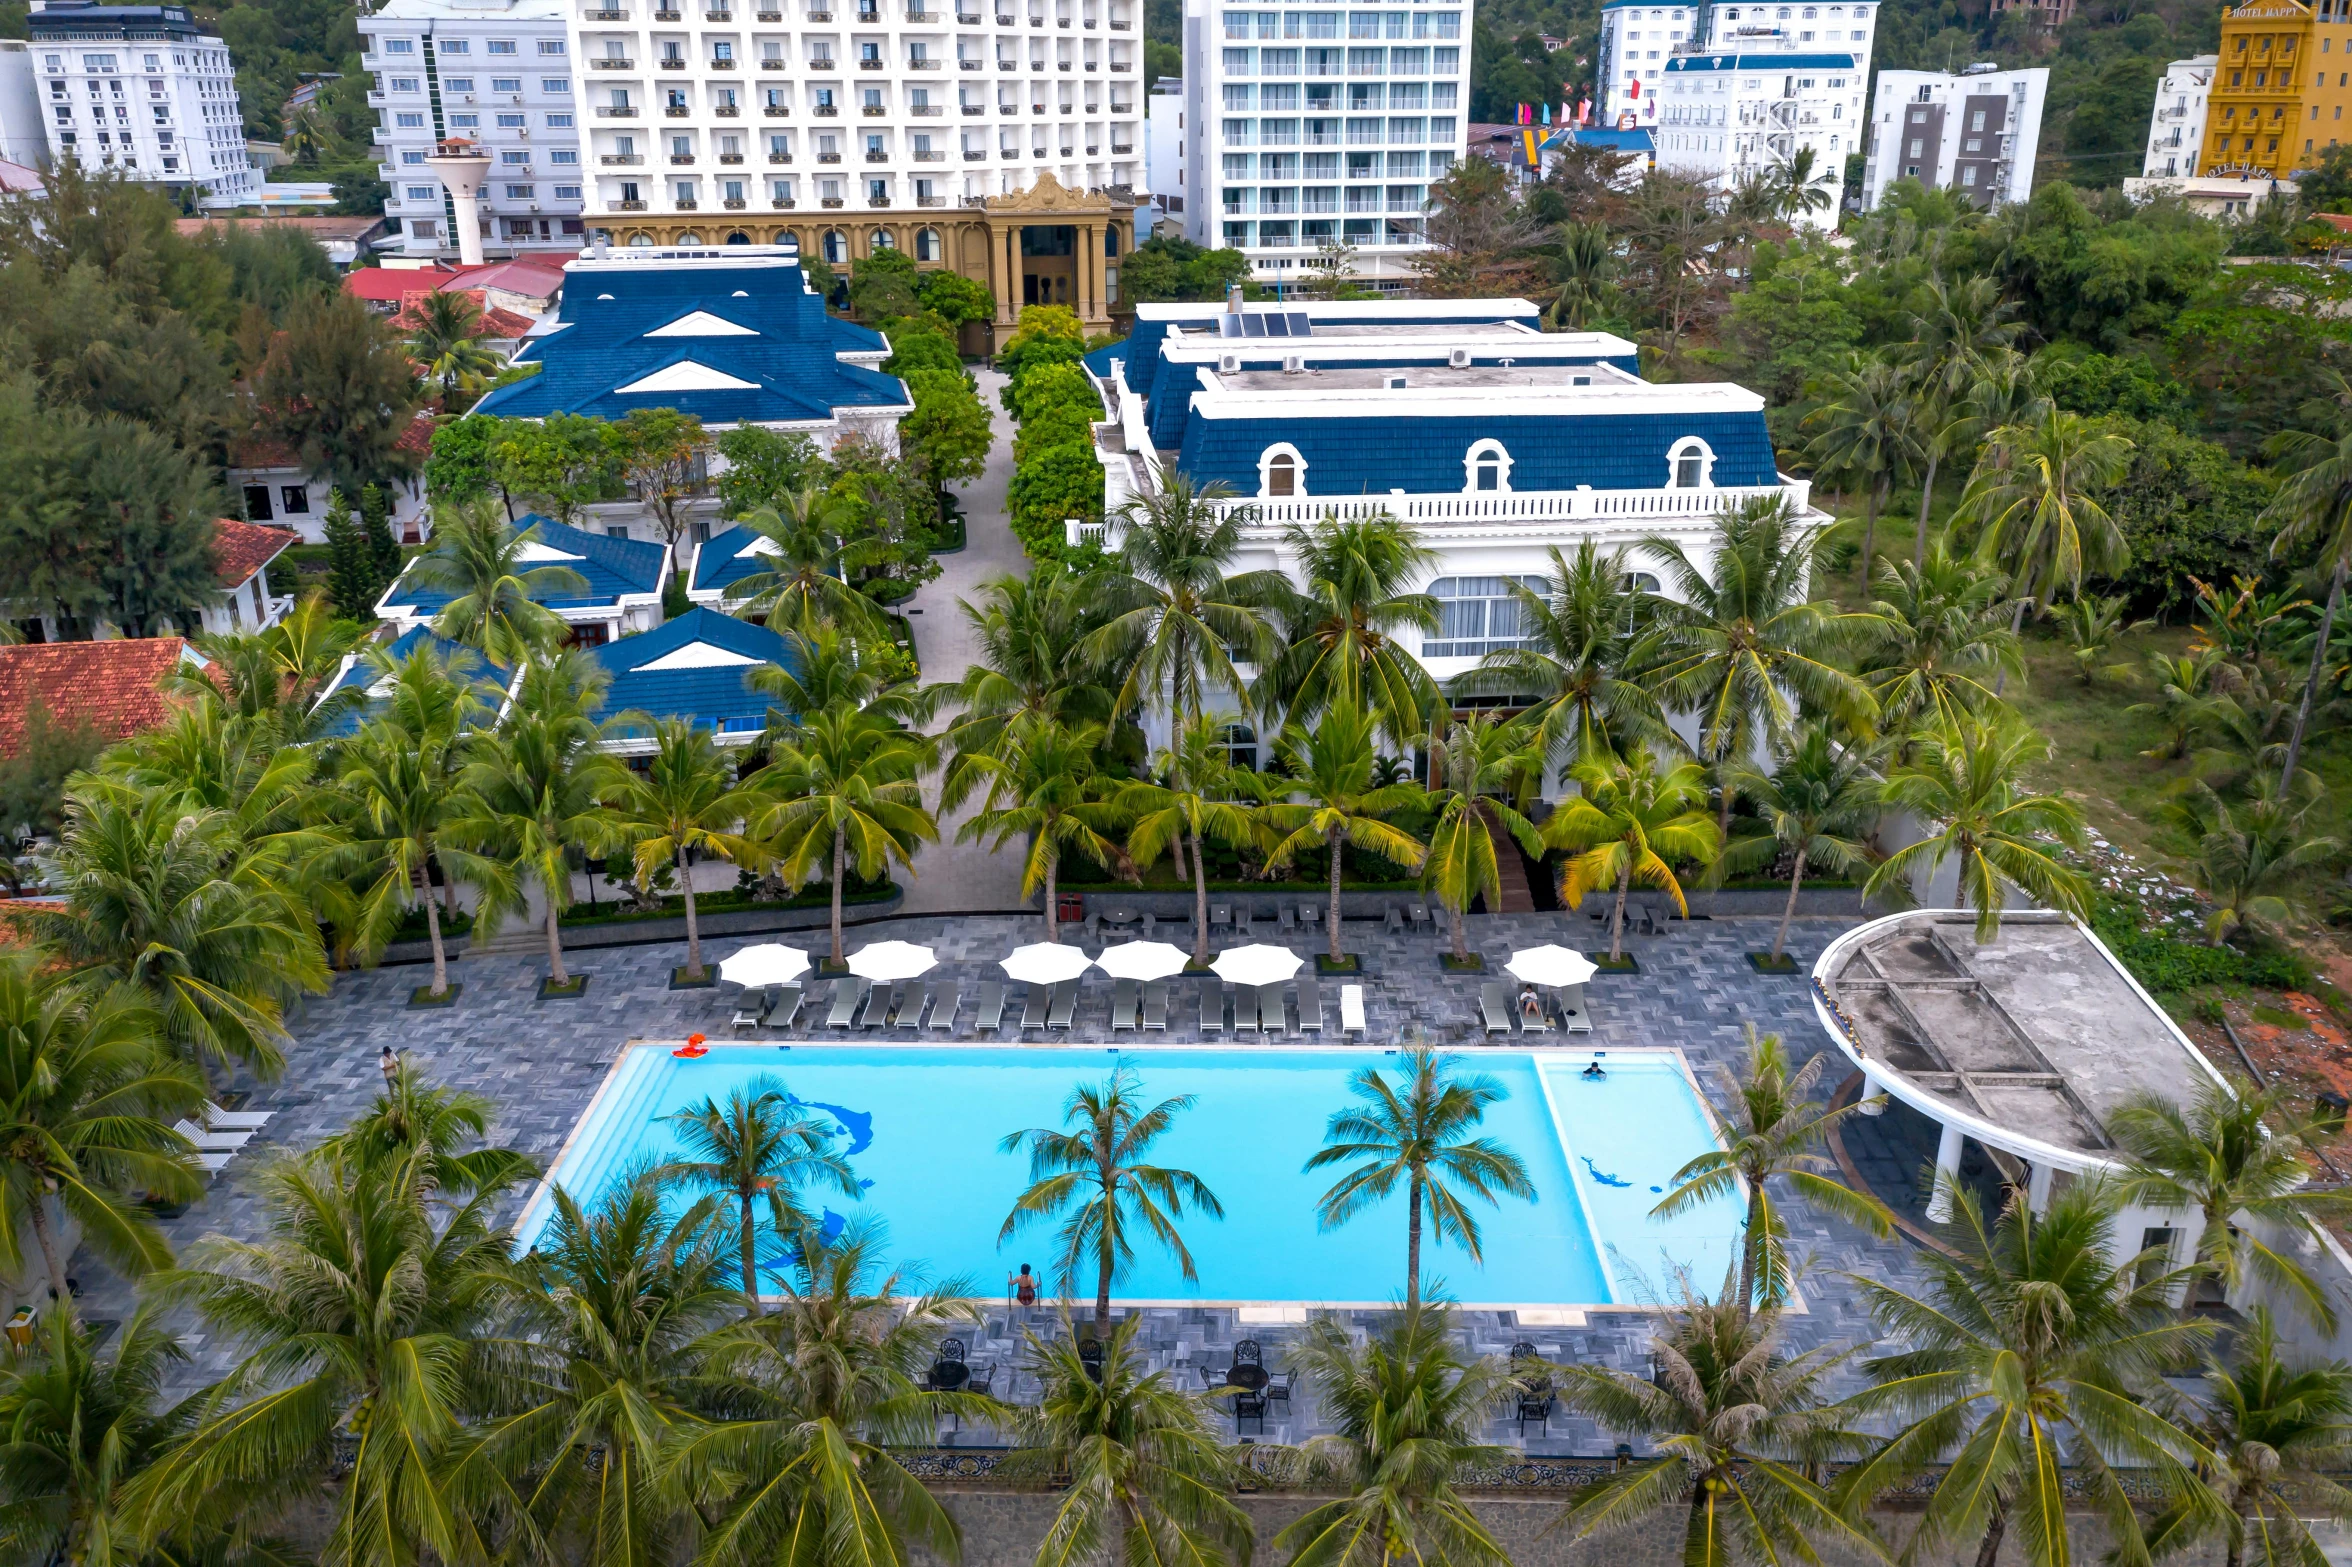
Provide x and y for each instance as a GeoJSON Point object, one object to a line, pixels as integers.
{"type": "Point", "coordinates": [1530, 1007]}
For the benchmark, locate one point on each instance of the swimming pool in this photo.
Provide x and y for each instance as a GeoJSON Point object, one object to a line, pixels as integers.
{"type": "Point", "coordinates": [921, 1125]}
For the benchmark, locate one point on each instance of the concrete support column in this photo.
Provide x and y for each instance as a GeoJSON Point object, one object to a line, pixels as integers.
{"type": "Point", "coordinates": [1947, 1170]}
{"type": "Point", "coordinates": [2037, 1189]}
{"type": "Point", "coordinates": [1874, 1096]}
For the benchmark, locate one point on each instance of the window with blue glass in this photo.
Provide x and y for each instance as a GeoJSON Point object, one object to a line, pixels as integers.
{"type": "Point", "coordinates": [1477, 616]}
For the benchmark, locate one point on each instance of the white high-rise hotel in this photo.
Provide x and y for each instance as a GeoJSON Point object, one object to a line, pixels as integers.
{"type": "Point", "coordinates": [1314, 128]}
{"type": "Point", "coordinates": [497, 73]}
{"type": "Point", "coordinates": [1640, 37]}
{"type": "Point", "coordinates": [144, 92]}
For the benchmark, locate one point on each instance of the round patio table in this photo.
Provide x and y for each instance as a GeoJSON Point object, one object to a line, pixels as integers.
{"type": "Point", "coordinates": [1249, 1379]}
{"type": "Point", "coordinates": [949, 1375]}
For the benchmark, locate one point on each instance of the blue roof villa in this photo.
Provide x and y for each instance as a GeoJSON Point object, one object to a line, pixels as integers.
{"type": "Point", "coordinates": [358, 672]}
{"type": "Point", "coordinates": [621, 591]}
{"type": "Point", "coordinates": [696, 668]}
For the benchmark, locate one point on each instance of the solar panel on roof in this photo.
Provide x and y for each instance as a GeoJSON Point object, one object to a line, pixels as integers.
{"type": "Point", "coordinates": [1253, 326]}
{"type": "Point", "coordinates": [1301, 325]}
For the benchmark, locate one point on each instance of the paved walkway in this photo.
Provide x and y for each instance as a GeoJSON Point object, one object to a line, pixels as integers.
{"type": "Point", "coordinates": [542, 1061]}
{"type": "Point", "coordinates": [958, 877]}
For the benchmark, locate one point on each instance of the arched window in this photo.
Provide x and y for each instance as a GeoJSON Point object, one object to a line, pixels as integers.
{"type": "Point", "coordinates": [927, 246]}
{"type": "Point", "coordinates": [1486, 467]}
{"type": "Point", "coordinates": [1477, 616]}
{"type": "Point", "coordinates": [738, 237]}
{"type": "Point", "coordinates": [836, 247]}
{"type": "Point", "coordinates": [1282, 471]}
{"type": "Point", "coordinates": [689, 238]}
{"type": "Point", "coordinates": [1691, 465]}
{"type": "Point", "coordinates": [1111, 241]}
{"type": "Point", "coordinates": [1637, 582]}
{"type": "Point", "coordinates": [880, 239]}
{"type": "Point", "coordinates": [640, 240]}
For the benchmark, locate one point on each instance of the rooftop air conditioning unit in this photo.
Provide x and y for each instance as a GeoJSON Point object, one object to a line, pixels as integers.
{"type": "Point", "coordinates": [1294, 364]}
{"type": "Point", "coordinates": [1459, 358]}
{"type": "Point", "coordinates": [1227, 364]}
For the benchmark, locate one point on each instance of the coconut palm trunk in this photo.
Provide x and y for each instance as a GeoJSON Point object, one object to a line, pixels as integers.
{"type": "Point", "coordinates": [556, 974]}
{"type": "Point", "coordinates": [2319, 651]}
{"type": "Point", "coordinates": [1788, 911]}
{"type": "Point", "coordinates": [1617, 920]}
{"type": "Point", "coordinates": [1870, 502]}
{"type": "Point", "coordinates": [1200, 906]}
{"type": "Point", "coordinates": [1413, 1243]}
{"type": "Point", "coordinates": [840, 849]}
{"type": "Point", "coordinates": [1053, 926]}
{"type": "Point", "coordinates": [749, 1241]}
{"type": "Point", "coordinates": [433, 934]}
{"type": "Point", "coordinates": [38, 1208]}
{"type": "Point", "coordinates": [1336, 851]}
{"type": "Point", "coordinates": [1926, 497]}
{"type": "Point", "coordinates": [693, 936]}
{"type": "Point", "coordinates": [1988, 1553]}
{"type": "Point", "coordinates": [1106, 1254]}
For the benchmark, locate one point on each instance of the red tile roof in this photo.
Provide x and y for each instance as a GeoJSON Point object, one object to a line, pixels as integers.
{"type": "Point", "coordinates": [390, 285]}
{"type": "Point", "coordinates": [242, 548]}
{"type": "Point", "coordinates": [539, 279]}
{"type": "Point", "coordinates": [2339, 221]}
{"type": "Point", "coordinates": [111, 685]}
{"type": "Point", "coordinates": [496, 321]}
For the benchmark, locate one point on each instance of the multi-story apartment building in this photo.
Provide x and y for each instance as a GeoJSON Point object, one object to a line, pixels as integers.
{"type": "Point", "coordinates": [1314, 129]}
{"type": "Point", "coordinates": [1976, 133]}
{"type": "Point", "coordinates": [144, 92]}
{"type": "Point", "coordinates": [997, 137]}
{"type": "Point", "coordinates": [1731, 118]}
{"type": "Point", "coordinates": [2280, 87]}
{"type": "Point", "coordinates": [1640, 37]}
{"type": "Point", "coordinates": [497, 74]}
{"type": "Point", "coordinates": [2176, 126]}
{"type": "Point", "coordinates": [1163, 143]}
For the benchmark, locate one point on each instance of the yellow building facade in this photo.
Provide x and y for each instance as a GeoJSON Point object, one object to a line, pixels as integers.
{"type": "Point", "coordinates": [2281, 88]}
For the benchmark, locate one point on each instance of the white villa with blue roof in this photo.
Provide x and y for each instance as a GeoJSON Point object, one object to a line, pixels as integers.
{"type": "Point", "coordinates": [1496, 441]}
{"type": "Point", "coordinates": [621, 592]}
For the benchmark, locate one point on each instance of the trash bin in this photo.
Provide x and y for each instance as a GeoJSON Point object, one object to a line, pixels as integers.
{"type": "Point", "coordinates": [1070, 908]}
{"type": "Point", "coordinates": [2329, 1110]}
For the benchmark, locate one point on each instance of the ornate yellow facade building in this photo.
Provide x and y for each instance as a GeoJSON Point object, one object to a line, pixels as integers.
{"type": "Point", "coordinates": [2280, 88]}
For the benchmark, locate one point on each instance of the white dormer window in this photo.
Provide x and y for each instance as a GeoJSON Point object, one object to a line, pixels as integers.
{"type": "Point", "coordinates": [1691, 465]}
{"type": "Point", "coordinates": [1281, 471]}
{"type": "Point", "coordinates": [1487, 469]}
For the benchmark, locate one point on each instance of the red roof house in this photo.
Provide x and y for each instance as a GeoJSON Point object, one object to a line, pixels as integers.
{"type": "Point", "coordinates": [115, 687]}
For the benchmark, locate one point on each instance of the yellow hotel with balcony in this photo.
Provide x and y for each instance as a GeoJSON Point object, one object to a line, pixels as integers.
{"type": "Point", "coordinates": [2280, 90]}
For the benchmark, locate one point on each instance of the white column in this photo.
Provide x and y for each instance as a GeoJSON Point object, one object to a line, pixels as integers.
{"type": "Point", "coordinates": [2037, 1189]}
{"type": "Point", "coordinates": [1874, 1096]}
{"type": "Point", "coordinates": [1947, 1169]}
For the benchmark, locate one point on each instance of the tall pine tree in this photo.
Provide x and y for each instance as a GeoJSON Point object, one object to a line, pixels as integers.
{"type": "Point", "coordinates": [384, 550]}
{"type": "Point", "coordinates": [351, 569]}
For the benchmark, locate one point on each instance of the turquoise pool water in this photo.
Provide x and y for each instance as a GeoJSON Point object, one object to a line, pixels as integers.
{"type": "Point", "coordinates": [921, 1126]}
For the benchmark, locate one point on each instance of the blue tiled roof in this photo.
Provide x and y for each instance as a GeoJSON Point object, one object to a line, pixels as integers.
{"type": "Point", "coordinates": [788, 355]}
{"type": "Point", "coordinates": [713, 695]}
{"type": "Point", "coordinates": [726, 560]}
{"type": "Point", "coordinates": [612, 568]}
{"type": "Point", "coordinates": [1424, 454]}
{"type": "Point", "coordinates": [488, 680]}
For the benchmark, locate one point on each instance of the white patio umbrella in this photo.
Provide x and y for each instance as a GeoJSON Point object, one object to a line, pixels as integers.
{"type": "Point", "coordinates": [1142, 960]}
{"type": "Point", "coordinates": [1045, 963]}
{"type": "Point", "coordinates": [889, 960]}
{"type": "Point", "coordinates": [1549, 965]}
{"type": "Point", "coordinates": [1257, 964]}
{"type": "Point", "coordinates": [768, 963]}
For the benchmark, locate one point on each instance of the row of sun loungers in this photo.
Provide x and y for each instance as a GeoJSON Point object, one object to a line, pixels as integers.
{"type": "Point", "coordinates": [856, 1004]}
{"type": "Point", "coordinates": [223, 1133]}
{"type": "Point", "coordinates": [1500, 1009]}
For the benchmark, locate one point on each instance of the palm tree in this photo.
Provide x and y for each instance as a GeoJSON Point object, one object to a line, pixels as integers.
{"type": "Point", "coordinates": [2030, 1339]}
{"type": "Point", "coordinates": [1042, 782]}
{"type": "Point", "coordinates": [2183, 704]}
{"type": "Point", "coordinates": [1799, 187]}
{"type": "Point", "coordinates": [1936, 640]}
{"type": "Point", "coordinates": [1739, 1425]}
{"type": "Point", "coordinates": [442, 339]}
{"type": "Point", "coordinates": [843, 794]}
{"type": "Point", "coordinates": [616, 1303]}
{"type": "Point", "coordinates": [1405, 1411]}
{"type": "Point", "coordinates": [1092, 1175]}
{"type": "Point", "coordinates": [2243, 853]}
{"type": "Point", "coordinates": [686, 802]}
{"type": "Point", "coordinates": [364, 1308]}
{"type": "Point", "coordinates": [1583, 271]}
{"type": "Point", "coordinates": [1174, 621]}
{"type": "Point", "coordinates": [1205, 796]}
{"type": "Point", "coordinates": [182, 905]}
{"type": "Point", "coordinates": [828, 667]}
{"type": "Point", "coordinates": [78, 1429]}
{"type": "Point", "coordinates": [2313, 509]}
{"type": "Point", "coordinates": [1587, 637]}
{"type": "Point", "coordinates": [761, 1144]}
{"type": "Point", "coordinates": [83, 1084]}
{"type": "Point", "coordinates": [2274, 1432]}
{"type": "Point", "coordinates": [1343, 648]}
{"type": "Point", "coordinates": [1818, 806]}
{"type": "Point", "coordinates": [2091, 624]}
{"type": "Point", "coordinates": [1744, 643]}
{"type": "Point", "coordinates": [1867, 434]}
{"type": "Point", "coordinates": [416, 1120]}
{"type": "Point", "coordinates": [1964, 780]}
{"type": "Point", "coordinates": [1025, 664]}
{"type": "Point", "coordinates": [1143, 1473]}
{"type": "Point", "coordinates": [1776, 1131]}
{"type": "Point", "coordinates": [2030, 503]}
{"type": "Point", "coordinates": [1628, 824]}
{"type": "Point", "coordinates": [1419, 1136]}
{"type": "Point", "coordinates": [2223, 1159]}
{"type": "Point", "coordinates": [1469, 764]}
{"type": "Point", "coordinates": [535, 790]}
{"type": "Point", "coordinates": [404, 802]}
{"type": "Point", "coordinates": [811, 561]}
{"type": "Point", "coordinates": [478, 559]}
{"type": "Point", "coordinates": [1333, 767]}
{"type": "Point", "coordinates": [818, 1392]}
{"type": "Point", "coordinates": [1965, 329]}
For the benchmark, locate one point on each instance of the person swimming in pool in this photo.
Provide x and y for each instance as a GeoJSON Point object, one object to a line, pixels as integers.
{"type": "Point", "coordinates": [1024, 1285]}
{"type": "Point", "coordinates": [1595, 1070]}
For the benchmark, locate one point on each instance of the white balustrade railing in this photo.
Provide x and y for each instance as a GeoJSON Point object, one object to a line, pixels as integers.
{"type": "Point", "coordinates": [1486, 509]}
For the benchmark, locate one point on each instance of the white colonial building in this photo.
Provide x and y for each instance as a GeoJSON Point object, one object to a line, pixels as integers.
{"type": "Point", "coordinates": [144, 92]}
{"type": "Point", "coordinates": [1976, 133]}
{"type": "Point", "coordinates": [1639, 38]}
{"type": "Point", "coordinates": [1731, 118]}
{"type": "Point", "coordinates": [1317, 129]}
{"type": "Point", "coordinates": [1496, 441]}
{"type": "Point", "coordinates": [2176, 126]}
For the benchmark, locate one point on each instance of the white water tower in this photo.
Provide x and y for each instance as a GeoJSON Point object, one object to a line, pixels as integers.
{"type": "Point", "coordinates": [463, 167]}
